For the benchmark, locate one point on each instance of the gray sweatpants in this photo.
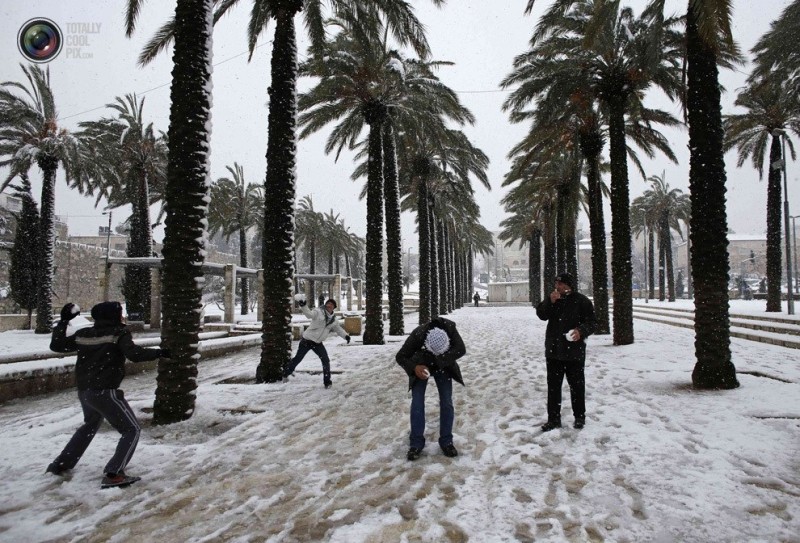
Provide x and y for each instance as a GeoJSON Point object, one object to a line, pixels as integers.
{"type": "Point", "coordinates": [108, 404]}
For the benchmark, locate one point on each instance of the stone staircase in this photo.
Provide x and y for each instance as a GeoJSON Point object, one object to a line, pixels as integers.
{"type": "Point", "coordinates": [775, 330]}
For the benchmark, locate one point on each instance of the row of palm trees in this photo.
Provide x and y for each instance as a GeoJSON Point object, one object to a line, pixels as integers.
{"type": "Point", "coordinates": [412, 152]}
{"type": "Point", "coordinates": [660, 211]}
{"type": "Point", "coordinates": [582, 83]}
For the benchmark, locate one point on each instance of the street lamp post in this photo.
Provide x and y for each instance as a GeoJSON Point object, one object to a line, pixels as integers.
{"type": "Point", "coordinates": [789, 291]}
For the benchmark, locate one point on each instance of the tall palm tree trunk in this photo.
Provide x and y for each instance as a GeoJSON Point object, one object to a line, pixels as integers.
{"type": "Point", "coordinates": [186, 196]}
{"type": "Point", "coordinates": [279, 195]}
{"type": "Point", "coordinates": [312, 269]}
{"type": "Point", "coordinates": [550, 271]}
{"type": "Point", "coordinates": [709, 226]}
{"type": "Point", "coordinates": [535, 266]}
{"type": "Point", "coordinates": [44, 302]}
{"type": "Point", "coordinates": [243, 263]}
{"type": "Point", "coordinates": [597, 233]}
{"type": "Point", "coordinates": [774, 212]}
{"type": "Point", "coordinates": [451, 271]}
{"type": "Point", "coordinates": [424, 234]}
{"type": "Point", "coordinates": [669, 263]}
{"type": "Point", "coordinates": [662, 261]}
{"type": "Point", "coordinates": [394, 249]}
{"type": "Point", "coordinates": [375, 116]}
{"type": "Point", "coordinates": [621, 271]}
{"type": "Point", "coordinates": [434, 239]}
{"type": "Point", "coordinates": [442, 268]}
{"type": "Point", "coordinates": [470, 275]}
{"type": "Point", "coordinates": [651, 256]}
{"type": "Point", "coordinates": [561, 232]}
{"type": "Point", "coordinates": [137, 278]}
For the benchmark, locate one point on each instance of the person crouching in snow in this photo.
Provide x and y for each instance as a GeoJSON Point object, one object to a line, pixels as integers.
{"type": "Point", "coordinates": [102, 350]}
{"type": "Point", "coordinates": [432, 350]}
{"type": "Point", "coordinates": [323, 322]}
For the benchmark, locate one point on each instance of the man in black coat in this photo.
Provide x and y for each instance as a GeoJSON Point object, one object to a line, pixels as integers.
{"type": "Point", "coordinates": [102, 350]}
{"type": "Point", "coordinates": [431, 350]}
{"type": "Point", "coordinates": [570, 320]}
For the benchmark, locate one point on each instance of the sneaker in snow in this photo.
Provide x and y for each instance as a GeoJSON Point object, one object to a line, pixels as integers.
{"type": "Point", "coordinates": [118, 479]}
{"type": "Point", "coordinates": [414, 453]}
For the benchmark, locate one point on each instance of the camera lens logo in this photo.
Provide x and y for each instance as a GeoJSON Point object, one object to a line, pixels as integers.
{"type": "Point", "coordinates": [39, 40]}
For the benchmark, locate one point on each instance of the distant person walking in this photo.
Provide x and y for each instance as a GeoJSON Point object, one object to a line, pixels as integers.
{"type": "Point", "coordinates": [432, 350]}
{"type": "Point", "coordinates": [102, 350]}
{"type": "Point", "coordinates": [323, 322]}
{"type": "Point", "coordinates": [571, 320]}
{"type": "Point", "coordinates": [476, 298]}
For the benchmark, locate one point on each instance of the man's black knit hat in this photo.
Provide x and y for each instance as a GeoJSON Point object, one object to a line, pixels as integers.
{"type": "Point", "coordinates": [567, 279]}
{"type": "Point", "coordinates": [107, 311]}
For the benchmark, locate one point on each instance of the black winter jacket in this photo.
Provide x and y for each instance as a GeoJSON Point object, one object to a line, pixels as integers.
{"type": "Point", "coordinates": [571, 311]}
{"type": "Point", "coordinates": [102, 350]}
{"type": "Point", "coordinates": [413, 351]}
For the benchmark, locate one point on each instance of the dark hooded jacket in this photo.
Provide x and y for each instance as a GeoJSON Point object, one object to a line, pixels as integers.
{"type": "Point", "coordinates": [102, 348]}
{"type": "Point", "coordinates": [413, 351]}
{"type": "Point", "coordinates": [571, 311]}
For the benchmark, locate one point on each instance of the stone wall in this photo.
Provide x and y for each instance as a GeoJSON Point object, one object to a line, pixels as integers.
{"type": "Point", "coordinates": [76, 277]}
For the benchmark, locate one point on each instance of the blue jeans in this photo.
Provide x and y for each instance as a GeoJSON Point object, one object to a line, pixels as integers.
{"type": "Point", "coordinates": [319, 349]}
{"type": "Point", "coordinates": [446, 416]}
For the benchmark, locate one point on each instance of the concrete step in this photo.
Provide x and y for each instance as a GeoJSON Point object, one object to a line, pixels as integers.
{"type": "Point", "coordinates": [751, 332]}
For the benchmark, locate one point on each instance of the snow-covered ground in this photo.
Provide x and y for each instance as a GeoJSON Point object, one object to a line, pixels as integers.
{"type": "Point", "coordinates": [657, 460]}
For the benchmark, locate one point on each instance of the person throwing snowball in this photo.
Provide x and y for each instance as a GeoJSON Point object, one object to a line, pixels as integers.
{"type": "Point", "coordinates": [431, 350]}
{"type": "Point", "coordinates": [570, 320]}
{"type": "Point", "coordinates": [323, 322]}
{"type": "Point", "coordinates": [102, 350]}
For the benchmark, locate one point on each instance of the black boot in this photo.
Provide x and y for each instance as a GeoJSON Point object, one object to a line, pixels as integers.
{"type": "Point", "coordinates": [549, 425]}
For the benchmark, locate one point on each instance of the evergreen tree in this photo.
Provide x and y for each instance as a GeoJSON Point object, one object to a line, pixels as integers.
{"type": "Point", "coordinates": [24, 264]}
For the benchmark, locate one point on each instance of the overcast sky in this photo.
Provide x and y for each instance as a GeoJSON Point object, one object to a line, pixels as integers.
{"type": "Point", "coordinates": [481, 37]}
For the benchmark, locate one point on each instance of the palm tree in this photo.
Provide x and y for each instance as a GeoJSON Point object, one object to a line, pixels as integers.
{"type": "Point", "coordinates": [708, 35]}
{"type": "Point", "coordinates": [308, 231]}
{"type": "Point", "coordinates": [277, 250]}
{"type": "Point", "coordinates": [524, 225]}
{"type": "Point", "coordinates": [30, 133]}
{"type": "Point", "coordinates": [438, 165]}
{"type": "Point", "coordinates": [363, 82]}
{"type": "Point", "coordinates": [778, 51]}
{"type": "Point", "coordinates": [623, 57]}
{"type": "Point", "coordinates": [771, 105]}
{"type": "Point", "coordinates": [234, 209]}
{"type": "Point", "coordinates": [665, 208]}
{"type": "Point", "coordinates": [186, 196]}
{"type": "Point", "coordinates": [643, 221]}
{"type": "Point", "coordinates": [126, 161]}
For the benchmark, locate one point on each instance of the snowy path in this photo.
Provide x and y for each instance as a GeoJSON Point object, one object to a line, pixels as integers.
{"type": "Point", "coordinates": [296, 462]}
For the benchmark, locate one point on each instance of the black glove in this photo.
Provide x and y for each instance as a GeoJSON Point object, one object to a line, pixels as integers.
{"type": "Point", "coordinates": [69, 312]}
{"type": "Point", "coordinates": [301, 303]}
{"type": "Point", "coordinates": [347, 339]}
{"type": "Point", "coordinates": [165, 353]}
